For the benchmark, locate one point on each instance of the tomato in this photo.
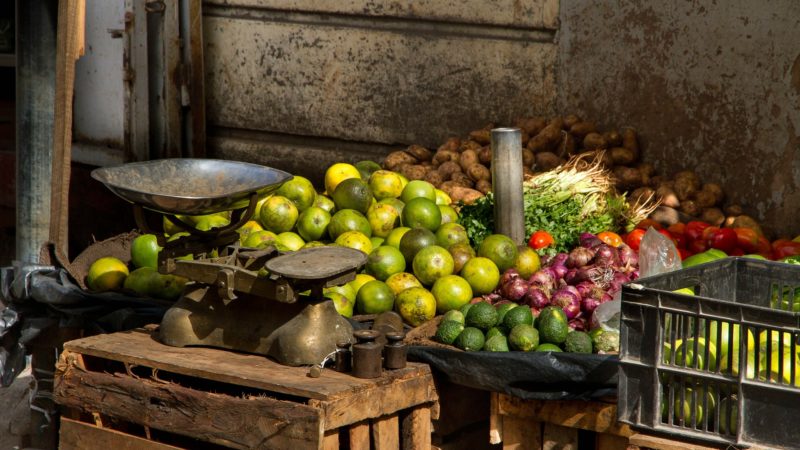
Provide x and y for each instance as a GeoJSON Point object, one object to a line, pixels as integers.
{"type": "Point", "coordinates": [647, 223]}
{"type": "Point", "coordinates": [694, 230]}
{"type": "Point", "coordinates": [697, 246]}
{"type": "Point", "coordinates": [540, 239]}
{"type": "Point", "coordinates": [724, 239]}
{"type": "Point", "coordinates": [782, 248]}
{"type": "Point", "coordinates": [680, 240]}
{"type": "Point", "coordinates": [747, 239]}
{"type": "Point", "coordinates": [736, 252]}
{"type": "Point", "coordinates": [708, 233]}
{"type": "Point", "coordinates": [684, 253]}
{"type": "Point", "coordinates": [764, 247]}
{"type": "Point", "coordinates": [634, 238]}
{"type": "Point", "coordinates": [677, 229]}
{"type": "Point", "coordinates": [610, 238]}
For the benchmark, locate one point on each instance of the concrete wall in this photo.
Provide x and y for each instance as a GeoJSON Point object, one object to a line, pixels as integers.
{"type": "Point", "coordinates": [712, 85]}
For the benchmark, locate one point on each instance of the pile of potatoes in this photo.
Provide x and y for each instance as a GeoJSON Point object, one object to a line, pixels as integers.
{"type": "Point", "coordinates": [461, 167]}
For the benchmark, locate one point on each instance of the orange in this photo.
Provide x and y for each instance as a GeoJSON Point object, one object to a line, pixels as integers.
{"type": "Point", "coordinates": [385, 184]}
{"type": "Point", "coordinates": [352, 193]}
{"type": "Point", "coordinates": [376, 241]}
{"type": "Point", "coordinates": [527, 261]}
{"type": "Point", "coordinates": [342, 304]}
{"type": "Point", "coordinates": [382, 219]}
{"type": "Point", "coordinates": [442, 198]}
{"type": "Point", "coordinates": [338, 173]}
{"type": "Point", "coordinates": [107, 273]}
{"type": "Point", "coordinates": [344, 289]}
{"type": "Point", "coordinates": [356, 240]}
{"type": "Point", "coordinates": [366, 168]}
{"type": "Point", "coordinates": [374, 297]}
{"type": "Point", "coordinates": [482, 275]}
{"type": "Point", "coordinates": [291, 241]}
{"type": "Point", "coordinates": [461, 253]}
{"type": "Point", "coordinates": [300, 191]}
{"type": "Point", "coordinates": [395, 235]}
{"type": "Point", "coordinates": [500, 249]}
{"type": "Point", "coordinates": [450, 234]}
{"type": "Point", "coordinates": [325, 203]}
{"type": "Point", "coordinates": [415, 240]}
{"type": "Point", "coordinates": [422, 212]}
{"type": "Point", "coordinates": [278, 214]}
{"type": "Point", "coordinates": [432, 263]}
{"type": "Point", "coordinates": [416, 305]}
{"type": "Point", "coordinates": [449, 214]}
{"type": "Point", "coordinates": [260, 239]}
{"type": "Point", "coordinates": [348, 220]}
{"type": "Point", "coordinates": [401, 281]}
{"type": "Point", "coordinates": [312, 224]}
{"type": "Point", "coordinates": [205, 223]}
{"type": "Point", "coordinates": [247, 228]}
{"type": "Point", "coordinates": [418, 188]}
{"type": "Point", "coordinates": [451, 292]}
{"type": "Point", "coordinates": [385, 261]}
{"type": "Point", "coordinates": [144, 251]}
{"type": "Point", "coordinates": [360, 280]}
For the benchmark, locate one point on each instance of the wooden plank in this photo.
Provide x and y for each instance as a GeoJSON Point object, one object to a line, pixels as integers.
{"type": "Point", "coordinates": [495, 420]}
{"type": "Point", "coordinates": [140, 348]}
{"type": "Point", "coordinates": [521, 434]}
{"type": "Point", "coordinates": [611, 442]}
{"type": "Point", "coordinates": [659, 443]}
{"type": "Point", "coordinates": [196, 77]}
{"type": "Point", "coordinates": [76, 435]}
{"type": "Point", "coordinates": [331, 440]}
{"type": "Point", "coordinates": [586, 415]}
{"type": "Point", "coordinates": [556, 437]}
{"type": "Point", "coordinates": [222, 419]}
{"type": "Point", "coordinates": [359, 436]}
{"type": "Point", "coordinates": [416, 429]}
{"type": "Point", "coordinates": [386, 433]}
{"type": "Point", "coordinates": [394, 396]}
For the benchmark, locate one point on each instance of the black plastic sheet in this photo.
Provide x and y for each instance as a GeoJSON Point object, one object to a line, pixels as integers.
{"type": "Point", "coordinates": [37, 298]}
{"type": "Point", "coordinates": [527, 375]}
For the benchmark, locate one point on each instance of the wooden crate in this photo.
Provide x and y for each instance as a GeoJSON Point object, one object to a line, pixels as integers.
{"type": "Point", "coordinates": [556, 424]}
{"type": "Point", "coordinates": [129, 384]}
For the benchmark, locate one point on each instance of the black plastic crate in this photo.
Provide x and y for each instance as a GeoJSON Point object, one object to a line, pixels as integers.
{"type": "Point", "coordinates": [719, 366]}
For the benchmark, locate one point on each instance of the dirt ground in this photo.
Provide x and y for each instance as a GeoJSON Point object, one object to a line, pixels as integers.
{"type": "Point", "coordinates": [14, 413]}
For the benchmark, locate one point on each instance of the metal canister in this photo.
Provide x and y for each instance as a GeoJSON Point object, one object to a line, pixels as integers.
{"type": "Point", "coordinates": [344, 357]}
{"type": "Point", "coordinates": [367, 354]}
{"type": "Point", "coordinates": [395, 351]}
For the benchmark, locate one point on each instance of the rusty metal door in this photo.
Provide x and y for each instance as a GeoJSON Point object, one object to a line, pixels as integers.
{"type": "Point", "coordinates": [299, 84]}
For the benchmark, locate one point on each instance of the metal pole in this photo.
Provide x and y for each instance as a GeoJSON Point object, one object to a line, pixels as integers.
{"type": "Point", "coordinates": [509, 216]}
{"type": "Point", "coordinates": [36, 86]}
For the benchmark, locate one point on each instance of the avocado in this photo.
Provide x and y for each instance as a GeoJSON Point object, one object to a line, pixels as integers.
{"type": "Point", "coordinates": [454, 315]}
{"type": "Point", "coordinates": [548, 348]}
{"type": "Point", "coordinates": [502, 309]}
{"type": "Point", "coordinates": [552, 325]}
{"type": "Point", "coordinates": [607, 342]}
{"type": "Point", "coordinates": [578, 342]}
{"type": "Point", "coordinates": [482, 315]}
{"type": "Point", "coordinates": [448, 331]}
{"type": "Point", "coordinates": [518, 315]}
{"type": "Point", "coordinates": [471, 339]}
{"type": "Point", "coordinates": [496, 344]}
{"type": "Point", "coordinates": [523, 337]}
{"type": "Point", "coordinates": [495, 331]}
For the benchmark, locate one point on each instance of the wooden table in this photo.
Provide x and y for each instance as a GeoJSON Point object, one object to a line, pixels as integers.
{"type": "Point", "coordinates": [132, 384]}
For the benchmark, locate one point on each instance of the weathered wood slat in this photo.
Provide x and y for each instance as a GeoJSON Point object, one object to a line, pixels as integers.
{"type": "Point", "coordinates": [521, 434]}
{"type": "Point", "coordinates": [612, 442]}
{"type": "Point", "coordinates": [255, 422]}
{"type": "Point", "coordinates": [386, 433]}
{"type": "Point", "coordinates": [416, 429]}
{"type": "Point", "coordinates": [495, 419]}
{"type": "Point", "coordinates": [359, 436]}
{"type": "Point", "coordinates": [585, 415]}
{"type": "Point", "coordinates": [556, 437]}
{"type": "Point", "coordinates": [140, 348]}
{"type": "Point", "coordinates": [76, 435]}
{"type": "Point", "coordinates": [331, 440]}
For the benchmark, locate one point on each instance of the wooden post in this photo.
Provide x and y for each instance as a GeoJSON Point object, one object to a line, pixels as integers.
{"type": "Point", "coordinates": [509, 218]}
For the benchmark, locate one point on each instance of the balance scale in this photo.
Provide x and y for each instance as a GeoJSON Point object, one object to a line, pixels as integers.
{"type": "Point", "coordinates": [229, 302]}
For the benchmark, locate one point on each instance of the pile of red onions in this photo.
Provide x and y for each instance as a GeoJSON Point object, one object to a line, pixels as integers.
{"type": "Point", "coordinates": [577, 282]}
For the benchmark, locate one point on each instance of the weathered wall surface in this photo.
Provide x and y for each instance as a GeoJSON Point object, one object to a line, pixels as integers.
{"type": "Point", "coordinates": [301, 84]}
{"type": "Point", "coordinates": [712, 85]}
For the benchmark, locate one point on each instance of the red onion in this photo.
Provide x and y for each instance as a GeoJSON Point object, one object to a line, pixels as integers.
{"type": "Point", "coordinates": [588, 240]}
{"type": "Point", "coordinates": [579, 257]}
{"type": "Point", "coordinates": [585, 288]}
{"type": "Point", "coordinates": [515, 289]}
{"type": "Point", "coordinates": [628, 257]}
{"type": "Point", "coordinates": [508, 275]}
{"type": "Point", "coordinates": [588, 304]}
{"type": "Point", "coordinates": [616, 283]}
{"type": "Point", "coordinates": [543, 278]}
{"type": "Point", "coordinates": [559, 259]}
{"type": "Point", "coordinates": [477, 300]}
{"type": "Point", "coordinates": [634, 275]}
{"type": "Point", "coordinates": [606, 255]}
{"type": "Point", "coordinates": [569, 299]}
{"type": "Point", "coordinates": [492, 297]}
{"type": "Point", "coordinates": [569, 278]}
{"type": "Point", "coordinates": [559, 271]}
{"type": "Point", "coordinates": [606, 298]}
{"type": "Point", "coordinates": [536, 297]}
{"type": "Point", "coordinates": [579, 324]}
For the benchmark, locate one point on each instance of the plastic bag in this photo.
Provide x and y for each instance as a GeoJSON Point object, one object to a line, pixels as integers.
{"type": "Point", "coordinates": [657, 254]}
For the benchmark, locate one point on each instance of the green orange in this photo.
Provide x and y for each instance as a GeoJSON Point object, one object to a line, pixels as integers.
{"type": "Point", "coordinates": [107, 273]}
{"type": "Point", "coordinates": [482, 275]}
{"type": "Point", "coordinates": [500, 249]}
{"type": "Point", "coordinates": [312, 224]}
{"type": "Point", "coordinates": [145, 250]}
{"type": "Point", "coordinates": [418, 189]}
{"type": "Point", "coordinates": [451, 292]}
{"type": "Point", "coordinates": [278, 214]}
{"type": "Point", "coordinates": [352, 193]}
{"type": "Point", "coordinates": [382, 219]}
{"type": "Point", "coordinates": [432, 263]}
{"type": "Point", "coordinates": [422, 212]}
{"type": "Point", "coordinates": [348, 220]}
{"type": "Point", "coordinates": [416, 305]}
{"type": "Point", "coordinates": [385, 184]}
{"type": "Point", "coordinates": [395, 235]}
{"type": "Point", "coordinates": [374, 297]}
{"type": "Point", "coordinates": [401, 281]}
{"type": "Point", "coordinates": [385, 261]}
{"type": "Point", "coordinates": [300, 191]}
{"type": "Point", "coordinates": [355, 240]}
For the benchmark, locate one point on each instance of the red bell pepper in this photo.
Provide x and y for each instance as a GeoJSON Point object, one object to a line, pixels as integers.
{"type": "Point", "coordinates": [694, 230]}
{"type": "Point", "coordinates": [724, 239]}
{"type": "Point", "coordinates": [781, 248]}
{"type": "Point", "coordinates": [747, 239]}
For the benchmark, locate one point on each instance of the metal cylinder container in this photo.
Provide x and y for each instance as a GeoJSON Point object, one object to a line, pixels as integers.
{"type": "Point", "coordinates": [367, 354]}
{"type": "Point", "coordinates": [509, 217]}
{"type": "Point", "coordinates": [395, 352]}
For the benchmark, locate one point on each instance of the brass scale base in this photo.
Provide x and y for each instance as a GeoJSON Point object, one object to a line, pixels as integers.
{"type": "Point", "coordinates": [230, 306]}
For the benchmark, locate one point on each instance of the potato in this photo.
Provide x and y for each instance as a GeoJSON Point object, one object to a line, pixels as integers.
{"type": "Point", "coordinates": [657, 180]}
{"type": "Point", "coordinates": [668, 196]}
{"type": "Point", "coordinates": [705, 199]}
{"type": "Point", "coordinates": [469, 145]}
{"type": "Point", "coordinates": [547, 161]}
{"type": "Point", "coordinates": [527, 172]}
{"type": "Point", "coordinates": [468, 158]}
{"type": "Point", "coordinates": [685, 188]}
{"type": "Point", "coordinates": [556, 122]}
{"type": "Point", "coordinates": [524, 138]}
{"type": "Point", "coordinates": [478, 172]}
{"type": "Point", "coordinates": [398, 158]}
{"type": "Point", "coordinates": [715, 190]}
{"type": "Point", "coordinates": [630, 141]}
{"type": "Point", "coordinates": [646, 169]}
{"type": "Point", "coordinates": [622, 156]}
{"type": "Point", "coordinates": [734, 210]}
{"type": "Point", "coordinates": [546, 140]}
{"type": "Point", "coordinates": [443, 156]}
{"type": "Point", "coordinates": [451, 144]}
{"type": "Point", "coordinates": [745, 221]}
{"type": "Point", "coordinates": [448, 168]}
{"type": "Point", "coordinates": [462, 179]}
{"type": "Point", "coordinates": [641, 195]}
{"type": "Point", "coordinates": [567, 147]}
{"type": "Point", "coordinates": [714, 216]}
{"type": "Point", "coordinates": [485, 155]}
{"type": "Point", "coordinates": [484, 186]}
{"type": "Point", "coordinates": [581, 129]}
{"type": "Point", "coordinates": [613, 138]}
{"type": "Point", "coordinates": [482, 136]}
{"type": "Point", "coordinates": [461, 194]}
{"type": "Point", "coordinates": [689, 207]}
{"type": "Point", "coordinates": [434, 177]}
{"type": "Point", "coordinates": [531, 125]}
{"type": "Point", "coordinates": [605, 159]}
{"type": "Point", "coordinates": [414, 171]}
{"type": "Point", "coordinates": [419, 152]}
{"type": "Point", "coordinates": [528, 158]}
{"type": "Point", "coordinates": [570, 120]}
{"type": "Point", "coordinates": [690, 177]}
{"type": "Point", "coordinates": [627, 178]}
{"type": "Point", "coordinates": [594, 141]}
